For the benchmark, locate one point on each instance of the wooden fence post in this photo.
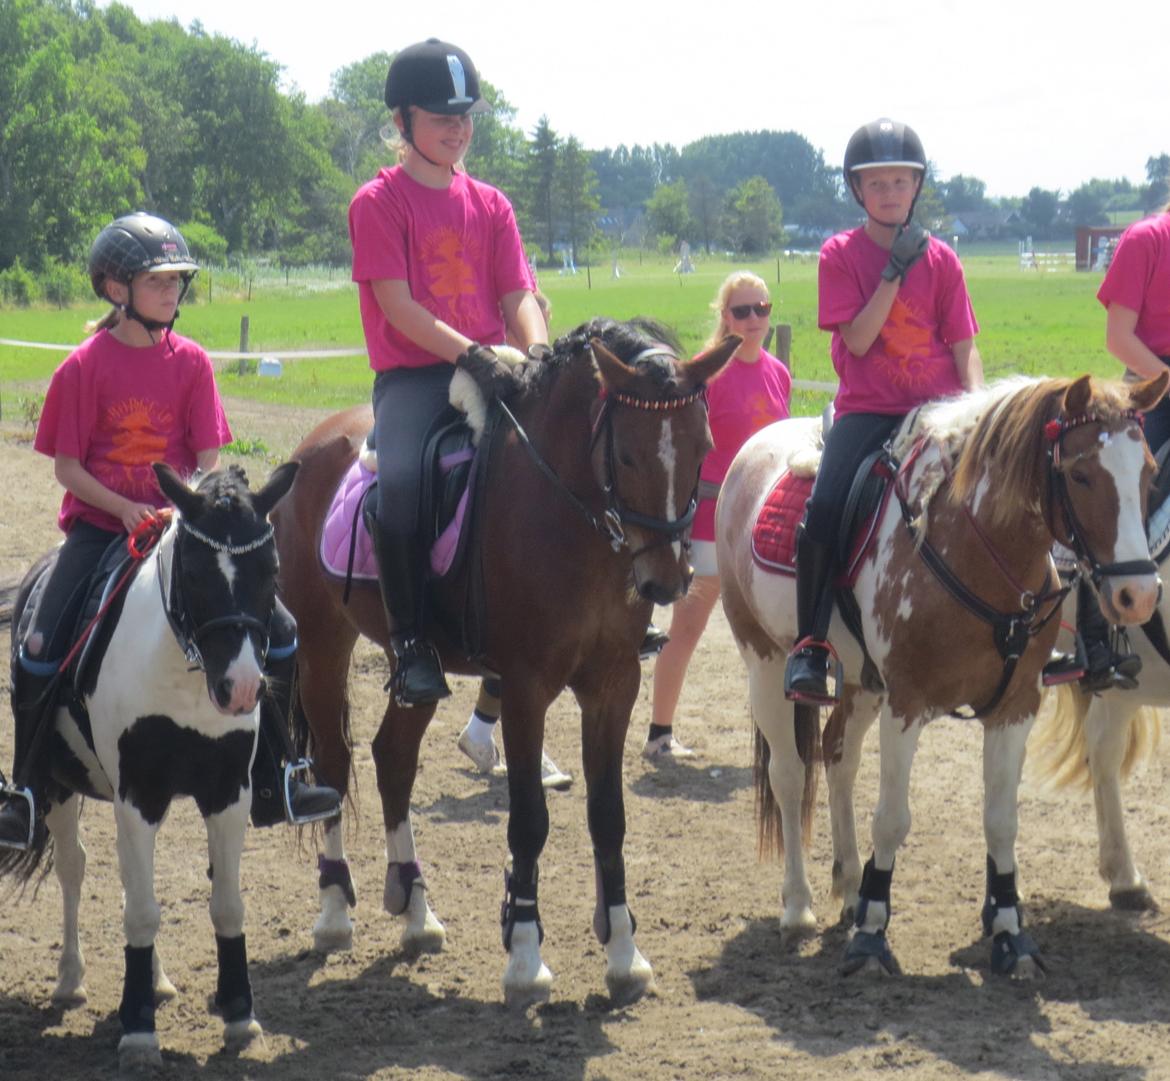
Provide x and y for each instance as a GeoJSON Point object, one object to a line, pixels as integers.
{"type": "Point", "coordinates": [243, 343]}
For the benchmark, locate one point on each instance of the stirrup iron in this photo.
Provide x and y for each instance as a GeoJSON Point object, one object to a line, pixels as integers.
{"type": "Point", "coordinates": [10, 793]}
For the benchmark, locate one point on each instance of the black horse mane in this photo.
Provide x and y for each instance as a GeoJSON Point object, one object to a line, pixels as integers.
{"type": "Point", "coordinates": [225, 489]}
{"type": "Point", "coordinates": [624, 339]}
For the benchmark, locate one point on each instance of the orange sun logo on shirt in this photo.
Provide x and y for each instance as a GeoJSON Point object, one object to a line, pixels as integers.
{"type": "Point", "coordinates": [137, 430]}
{"type": "Point", "coordinates": [905, 347]}
{"type": "Point", "coordinates": [449, 268]}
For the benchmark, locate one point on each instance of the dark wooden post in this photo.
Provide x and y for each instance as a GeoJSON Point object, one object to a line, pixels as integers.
{"type": "Point", "coordinates": [243, 342]}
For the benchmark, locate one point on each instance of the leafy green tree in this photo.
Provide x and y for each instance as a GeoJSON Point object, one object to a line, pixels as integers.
{"type": "Point", "coordinates": [668, 211]}
{"type": "Point", "coordinates": [1158, 178]}
{"type": "Point", "coordinates": [577, 196]}
{"type": "Point", "coordinates": [754, 220]}
{"type": "Point", "coordinates": [356, 112]}
{"type": "Point", "coordinates": [1039, 210]}
{"type": "Point", "coordinates": [962, 193]}
{"type": "Point", "coordinates": [1086, 205]}
{"type": "Point", "coordinates": [706, 209]}
{"type": "Point", "coordinates": [543, 153]}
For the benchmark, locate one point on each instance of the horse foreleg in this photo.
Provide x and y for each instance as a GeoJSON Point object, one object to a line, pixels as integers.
{"type": "Point", "coordinates": [775, 717]}
{"type": "Point", "coordinates": [527, 980]}
{"type": "Point", "coordinates": [333, 929]}
{"type": "Point", "coordinates": [404, 895]}
{"type": "Point", "coordinates": [69, 863]}
{"type": "Point", "coordinates": [842, 745]}
{"type": "Point", "coordinates": [1013, 952]}
{"type": "Point", "coordinates": [1108, 726]}
{"type": "Point", "coordinates": [868, 948]}
{"type": "Point", "coordinates": [138, 1047]}
{"type": "Point", "coordinates": [233, 992]}
{"type": "Point", "coordinates": [605, 720]}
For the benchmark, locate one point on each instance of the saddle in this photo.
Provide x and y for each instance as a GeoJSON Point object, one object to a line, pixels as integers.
{"type": "Point", "coordinates": [454, 471]}
{"type": "Point", "coordinates": [775, 528]}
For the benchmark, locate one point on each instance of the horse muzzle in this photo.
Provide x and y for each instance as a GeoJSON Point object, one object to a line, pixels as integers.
{"type": "Point", "coordinates": [1129, 599]}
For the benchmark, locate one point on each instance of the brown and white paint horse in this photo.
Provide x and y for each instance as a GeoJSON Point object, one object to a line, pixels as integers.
{"type": "Point", "coordinates": [991, 479]}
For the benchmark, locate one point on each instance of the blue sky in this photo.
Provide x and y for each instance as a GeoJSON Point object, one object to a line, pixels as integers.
{"type": "Point", "coordinates": [1017, 94]}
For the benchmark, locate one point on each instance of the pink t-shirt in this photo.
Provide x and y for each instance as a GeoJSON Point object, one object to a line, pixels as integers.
{"type": "Point", "coordinates": [117, 408]}
{"type": "Point", "coordinates": [458, 249]}
{"type": "Point", "coordinates": [1138, 278]}
{"type": "Point", "coordinates": [911, 361]}
{"type": "Point", "coordinates": [741, 399]}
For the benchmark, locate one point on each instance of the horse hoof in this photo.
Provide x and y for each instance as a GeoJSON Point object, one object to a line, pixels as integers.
{"type": "Point", "coordinates": [332, 939]}
{"type": "Point", "coordinates": [798, 929]}
{"type": "Point", "coordinates": [868, 952]}
{"type": "Point", "coordinates": [534, 992]}
{"type": "Point", "coordinates": [71, 996]}
{"type": "Point", "coordinates": [1016, 955]}
{"type": "Point", "coordinates": [1027, 969]}
{"type": "Point", "coordinates": [626, 988]}
{"type": "Point", "coordinates": [139, 1052]}
{"type": "Point", "coordinates": [1137, 899]}
{"type": "Point", "coordinates": [430, 939]}
{"type": "Point", "coordinates": [239, 1034]}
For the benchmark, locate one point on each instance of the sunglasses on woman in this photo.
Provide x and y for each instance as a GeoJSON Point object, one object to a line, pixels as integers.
{"type": "Point", "coordinates": [742, 311]}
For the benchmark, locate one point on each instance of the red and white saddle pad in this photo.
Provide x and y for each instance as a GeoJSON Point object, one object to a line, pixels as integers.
{"type": "Point", "coordinates": [774, 532]}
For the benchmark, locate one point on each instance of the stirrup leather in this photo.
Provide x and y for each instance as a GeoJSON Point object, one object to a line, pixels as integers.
{"type": "Point", "coordinates": [9, 793]}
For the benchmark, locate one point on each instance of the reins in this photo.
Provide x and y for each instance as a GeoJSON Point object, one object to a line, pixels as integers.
{"type": "Point", "coordinates": [1012, 631]}
{"type": "Point", "coordinates": [616, 516]}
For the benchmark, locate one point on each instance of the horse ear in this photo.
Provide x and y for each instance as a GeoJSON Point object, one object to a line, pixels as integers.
{"type": "Point", "coordinates": [176, 490]}
{"type": "Point", "coordinates": [1145, 395]}
{"type": "Point", "coordinates": [704, 367]}
{"type": "Point", "coordinates": [614, 373]}
{"type": "Point", "coordinates": [274, 491]}
{"type": "Point", "coordinates": [1076, 398]}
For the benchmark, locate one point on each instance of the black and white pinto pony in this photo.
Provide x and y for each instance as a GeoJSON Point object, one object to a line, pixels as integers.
{"type": "Point", "coordinates": [1096, 740]}
{"type": "Point", "coordinates": [956, 598]}
{"type": "Point", "coordinates": [168, 706]}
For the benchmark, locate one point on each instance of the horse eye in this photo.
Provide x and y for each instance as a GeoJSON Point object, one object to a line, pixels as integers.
{"type": "Point", "coordinates": [1080, 477]}
{"type": "Point", "coordinates": [626, 459]}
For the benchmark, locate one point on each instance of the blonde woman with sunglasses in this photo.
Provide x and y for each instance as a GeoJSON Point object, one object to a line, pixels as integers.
{"type": "Point", "coordinates": [752, 391]}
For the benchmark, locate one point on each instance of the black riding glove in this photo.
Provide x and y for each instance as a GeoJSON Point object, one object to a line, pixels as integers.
{"type": "Point", "coordinates": [909, 246]}
{"type": "Point", "coordinates": [495, 378]}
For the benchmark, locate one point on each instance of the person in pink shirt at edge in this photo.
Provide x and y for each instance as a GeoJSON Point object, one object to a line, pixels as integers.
{"type": "Point", "coordinates": [1136, 296]}
{"type": "Point", "coordinates": [134, 393]}
{"type": "Point", "coordinates": [903, 333]}
{"type": "Point", "coordinates": [752, 391]}
{"type": "Point", "coordinates": [442, 276]}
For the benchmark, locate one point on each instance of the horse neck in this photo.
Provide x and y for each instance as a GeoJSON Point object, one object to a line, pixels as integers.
{"type": "Point", "coordinates": [558, 422]}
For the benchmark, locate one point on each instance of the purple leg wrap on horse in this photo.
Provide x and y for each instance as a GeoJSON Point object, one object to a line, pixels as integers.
{"type": "Point", "coordinates": [233, 992]}
{"type": "Point", "coordinates": [137, 1009]}
{"type": "Point", "coordinates": [336, 873]}
{"type": "Point", "coordinates": [400, 880]}
{"type": "Point", "coordinates": [519, 906]}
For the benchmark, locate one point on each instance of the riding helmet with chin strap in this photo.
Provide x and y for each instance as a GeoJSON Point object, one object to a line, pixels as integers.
{"type": "Point", "coordinates": [135, 244]}
{"type": "Point", "coordinates": [884, 143]}
{"type": "Point", "coordinates": [435, 76]}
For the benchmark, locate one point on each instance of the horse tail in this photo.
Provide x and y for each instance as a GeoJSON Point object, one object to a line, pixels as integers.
{"type": "Point", "coordinates": [22, 864]}
{"type": "Point", "coordinates": [1059, 755]}
{"type": "Point", "coordinates": [769, 821]}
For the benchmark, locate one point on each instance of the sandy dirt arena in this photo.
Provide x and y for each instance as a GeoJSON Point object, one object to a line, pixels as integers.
{"type": "Point", "coordinates": [731, 1001]}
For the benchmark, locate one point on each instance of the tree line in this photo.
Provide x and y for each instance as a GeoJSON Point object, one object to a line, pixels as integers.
{"type": "Point", "coordinates": [101, 113]}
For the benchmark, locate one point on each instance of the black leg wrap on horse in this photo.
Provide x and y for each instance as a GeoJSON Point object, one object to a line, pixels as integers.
{"type": "Point", "coordinates": [136, 1011]}
{"type": "Point", "coordinates": [400, 880]}
{"type": "Point", "coordinates": [866, 946]}
{"type": "Point", "coordinates": [233, 992]}
{"type": "Point", "coordinates": [875, 886]}
{"type": "Point", "coordinates": [519, 906]}
{"type": "Point", "coordinates": [615, 894]}
{"type": "Point", "coordinates": [336, 873]}
{"type": "Point", "coordinates": [1007, 947]}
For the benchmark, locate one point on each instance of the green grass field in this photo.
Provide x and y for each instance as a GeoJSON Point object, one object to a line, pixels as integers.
{"type": "Point", "coordinates": [1040, 323]}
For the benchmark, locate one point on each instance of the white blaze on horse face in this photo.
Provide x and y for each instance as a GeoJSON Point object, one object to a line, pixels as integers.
{"type": "Point", "coordinates": [1132, 597]}
{"type": "Point", "coordinates": [669, 458]}
{"type": "Point", "coordinates": [244, 672]}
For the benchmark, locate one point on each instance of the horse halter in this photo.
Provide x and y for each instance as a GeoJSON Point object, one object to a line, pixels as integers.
{"type": "Point", "coordinates": [1054, 432]}
{"type": "Point", "coordinates": [177, 612]}
{"type": "Point", "coordinates": [617, 514]}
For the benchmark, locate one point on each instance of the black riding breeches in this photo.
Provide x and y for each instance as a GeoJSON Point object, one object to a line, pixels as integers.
{"type": "Point", "coordinates": [407, 402]}
{"type": "Point", "coordinates": [851, 439]}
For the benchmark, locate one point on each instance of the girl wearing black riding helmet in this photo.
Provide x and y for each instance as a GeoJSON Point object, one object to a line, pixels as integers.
{"type": "Point", "coordinates": [441, 270]}
{"type": "Point", "coordinates": [903, 332]}
{"type": "Point", "coordinates": [133, 393]}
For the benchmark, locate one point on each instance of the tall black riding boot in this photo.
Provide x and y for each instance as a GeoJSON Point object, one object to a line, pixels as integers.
{"type": "Point", "coordinates": [806, 678]}
{"type": "Point", "coordinates": [32, 700]}
{"type": "Point", "coordinates": [418, 675]}
{"type": "Point", "coordinates": [1104, 666]}
{"type": "Point", "coordinates": [278, 792]}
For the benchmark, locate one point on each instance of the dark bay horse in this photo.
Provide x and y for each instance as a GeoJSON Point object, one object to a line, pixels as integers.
{"type": "Point", "coordinates": [167, 706]}
{"type": "Point", "coordinates": [957, 599]}
{"type": "Point", "coordinates": [586, 513]}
